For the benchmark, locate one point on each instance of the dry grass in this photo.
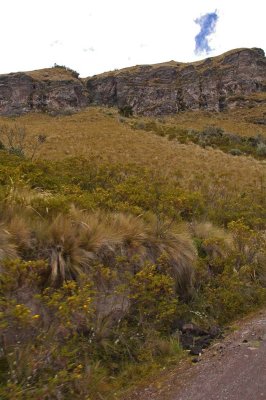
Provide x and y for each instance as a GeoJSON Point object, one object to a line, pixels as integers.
{"type": "Point", "coordinates": [7, 248]}
{"type": "Point", "coordinates": [237, 121]}
{"type": "Point", "coordinates": [201, 64]}
{"type": "Point", "coordinates": [62, 242]}
{"type": "Point", "coordinates": [51, 74]}
{"type": "Point", "coordinates": [99, 135]}
{"type": "Point", "coordinates": [72, 243]}
{"type": "Point", "coordinates": [130, 236]}
{"type": "Point", "coordinates": [21, 195]}
{"type": "Point", "coordinates": [21, 233]}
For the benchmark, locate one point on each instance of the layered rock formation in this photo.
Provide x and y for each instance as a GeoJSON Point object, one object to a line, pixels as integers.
{"type": "Point", "coordinates": [53, 89]}
{"type": "Point", "coordinates": [213, 84]}
{"type": "Point", "coordinates": [227, 81]}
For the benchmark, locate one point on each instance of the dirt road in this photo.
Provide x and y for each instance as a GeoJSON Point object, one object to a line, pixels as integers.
{"type": "Point", "coordinates": [233, 369]}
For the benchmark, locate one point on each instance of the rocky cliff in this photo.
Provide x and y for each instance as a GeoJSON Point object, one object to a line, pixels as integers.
{"type": "Point", "coordinates": [236, 78]}
{"type": "Point", "coordinates": [213, 84]}
{"type": "Point", "coordinates": [53, 89]}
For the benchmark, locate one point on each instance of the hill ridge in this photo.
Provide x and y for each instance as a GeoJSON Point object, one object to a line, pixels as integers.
{"type": "Point", "coordinates": [215, 84]}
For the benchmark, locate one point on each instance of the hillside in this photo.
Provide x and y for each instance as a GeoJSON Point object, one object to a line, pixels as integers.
{"type": "Point", "coordinates": [100, 134]}
{"type": "Point", "coordinates": [126, 242]}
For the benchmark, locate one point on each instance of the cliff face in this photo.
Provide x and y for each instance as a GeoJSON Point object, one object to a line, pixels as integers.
{"type": "Point", "coordinates": [214, 84]}
{"type": "Point", "coordinates": [45, 90]}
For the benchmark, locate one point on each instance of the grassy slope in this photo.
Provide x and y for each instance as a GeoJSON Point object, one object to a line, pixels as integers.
{"type": "Point", "coordinates": [99, 135]}
{"type": "Point", "coordinates": [236, 121]}
{"type": "Point", "coordinates": [102, 137]}
{"type": "Point", "coordinates": [52, 74]}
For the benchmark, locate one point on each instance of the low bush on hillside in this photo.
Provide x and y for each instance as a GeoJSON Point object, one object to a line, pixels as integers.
{"type": "Point", "coordinates": [14, 141]}
{"type": "Point", "coordinates": [126, 111]}
{"type": "Point", "coordinates": [210, 136]}
{"type": "Point", "coordinates": [261, 149]}
{"type": "Point", "coordinates": [74, 73]}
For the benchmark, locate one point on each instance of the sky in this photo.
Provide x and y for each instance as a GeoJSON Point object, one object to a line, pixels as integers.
{"type": "Point", "coordinates": [94, 36]}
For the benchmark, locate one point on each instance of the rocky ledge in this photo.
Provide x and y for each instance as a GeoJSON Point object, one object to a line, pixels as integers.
{"type": "Point", "coordinates": [214, 84]}
{"type": "Point", "coordinates": [52, 89]}
{"type": "Point", "coordinates": [234, 79]}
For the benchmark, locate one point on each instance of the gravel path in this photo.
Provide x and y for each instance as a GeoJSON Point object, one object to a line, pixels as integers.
{"type": "Point", "coordinates": [233, 369]}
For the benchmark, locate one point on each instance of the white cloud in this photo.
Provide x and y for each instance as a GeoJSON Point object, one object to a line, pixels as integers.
{"type": "Point", "coordinates": [93, 36]}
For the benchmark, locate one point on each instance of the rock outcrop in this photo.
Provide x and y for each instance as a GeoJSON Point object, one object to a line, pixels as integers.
{"type": "Point", "coordinates": [53, 89]}
{"type": "Point", "coordinates": [236, 78]}
{"type": "Point", "coordinates": [213, 84]}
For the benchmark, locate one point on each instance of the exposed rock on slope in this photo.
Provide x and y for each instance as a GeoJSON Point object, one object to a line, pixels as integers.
{"type": "Point", "coordinates": [213, 84]}
{"type": "Point", "coordinates": [50, 89]}
{"type": "Point", "coordinates": [236, 78]}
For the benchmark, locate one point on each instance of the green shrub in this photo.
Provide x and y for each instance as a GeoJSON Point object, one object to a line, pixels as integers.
{"type": "Point", "coordinates": [235, 152]}
{"type": "Point", "coordinates": [126, 111]}
{"type": "Point", "coordinates": [74, 73]}
{"type": "Point", "coordinates": [261, 149]}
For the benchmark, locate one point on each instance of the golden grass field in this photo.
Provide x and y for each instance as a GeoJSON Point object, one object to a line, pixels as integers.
{"type": "Point", "coordinates": [102, 136]}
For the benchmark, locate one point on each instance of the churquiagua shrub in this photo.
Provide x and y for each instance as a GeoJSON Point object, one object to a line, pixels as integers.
{"type": "Point", "coordinates": [230, 271]}
{"type": "Point", "coordinates": [261, 149]}
{"type": "Point", "coordinates": [213, 245]}
{"type": "Point", "coordinates": [249, 252]}
{"type": "Point", "coordinates": [211, 240]}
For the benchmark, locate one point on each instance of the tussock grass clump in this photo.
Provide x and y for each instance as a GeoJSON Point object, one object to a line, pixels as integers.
{"type": "Point", "coordinates": [20, 231]}
{"type": "Point", "coordinates": [133, 237]}
{"type": "Point", "coordinates": [72, 242]}
{"type": "Point", "coordinates": [7, 248]}
{"type": "Point", "coordinates": [60, 242]}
